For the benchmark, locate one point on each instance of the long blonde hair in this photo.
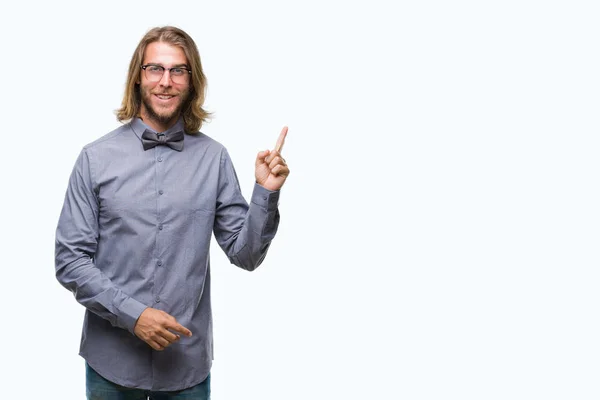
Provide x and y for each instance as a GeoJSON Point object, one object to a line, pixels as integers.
{"type": "Point", "coordinates": [193, 113]}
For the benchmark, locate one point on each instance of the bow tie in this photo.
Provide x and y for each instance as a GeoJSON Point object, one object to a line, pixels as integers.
{"type": "Point", "coordinates": [151, 140]}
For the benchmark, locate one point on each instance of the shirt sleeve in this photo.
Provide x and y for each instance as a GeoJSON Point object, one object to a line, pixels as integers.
{"type": "Point", "coordinates": [75, 246]}
{"type": "Point", "coordinates": [244, 231]}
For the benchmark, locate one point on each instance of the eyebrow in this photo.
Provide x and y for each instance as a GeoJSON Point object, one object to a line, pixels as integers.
{"type": "Point", "coordinates": [174, 66]}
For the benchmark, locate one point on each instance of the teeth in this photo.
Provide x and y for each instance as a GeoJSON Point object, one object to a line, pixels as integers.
{"type": "Point", "coordinates": [164, 97]}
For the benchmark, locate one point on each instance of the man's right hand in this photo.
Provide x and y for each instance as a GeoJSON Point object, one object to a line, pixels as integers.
{"type": "Point", "coordinates": [154, 327]}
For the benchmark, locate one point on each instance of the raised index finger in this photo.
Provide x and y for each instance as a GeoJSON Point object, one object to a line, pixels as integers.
{"type": "Point", "coordinates": [281, 139]}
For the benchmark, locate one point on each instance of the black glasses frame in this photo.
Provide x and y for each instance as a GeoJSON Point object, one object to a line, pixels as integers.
{"type": "Point", "coordinates": [165, 69]}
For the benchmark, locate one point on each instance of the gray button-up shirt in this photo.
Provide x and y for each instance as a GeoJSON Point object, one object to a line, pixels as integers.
{"type": "Point", "coordinates": [134, 232]}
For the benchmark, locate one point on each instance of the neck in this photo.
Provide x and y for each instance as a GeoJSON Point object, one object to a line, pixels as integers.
{"type": "Point", "coordinates": [158, 125]}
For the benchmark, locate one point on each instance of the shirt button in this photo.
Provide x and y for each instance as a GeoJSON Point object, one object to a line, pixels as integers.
{"type": "Point", "coordinates": [159, 159]}
{"type": "Point", "coordinates": [160, 192]}
{"type": "Point", "coordinates": [160, 227]}
{"type": "Point", "coordinates": [157, 300]}
{"type": "Point", "coordinates": [159, 263]}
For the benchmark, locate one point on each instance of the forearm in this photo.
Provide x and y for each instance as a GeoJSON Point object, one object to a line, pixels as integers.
{"type": "Point", "coordinates": [248, 248]}
{"type": "Point", "coordinates": [96, 292]}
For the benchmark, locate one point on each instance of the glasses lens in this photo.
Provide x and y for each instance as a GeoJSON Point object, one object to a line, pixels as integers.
{"type": "Point", "coordinates": [154, 73]}
{"type": "Point", "coordinates": [179, 75]}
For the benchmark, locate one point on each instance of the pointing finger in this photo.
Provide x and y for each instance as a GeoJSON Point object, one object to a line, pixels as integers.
{"type": "Point", "coordinates": [180, 328]}
{"type": "Point", "coordinates": [281, 139]}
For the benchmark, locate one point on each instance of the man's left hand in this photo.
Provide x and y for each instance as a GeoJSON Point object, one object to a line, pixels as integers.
{"type": "Point", "coordinates": [271, 168]}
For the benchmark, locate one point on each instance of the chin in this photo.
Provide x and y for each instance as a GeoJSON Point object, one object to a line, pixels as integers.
{"type": "Point", "coordinates": [162, 115]}
{"type": "Point", "coordinates": [168, 113]}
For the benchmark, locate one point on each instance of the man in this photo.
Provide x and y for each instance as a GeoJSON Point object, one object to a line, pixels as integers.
{"type": "Point", "coordinates": [132, 241]}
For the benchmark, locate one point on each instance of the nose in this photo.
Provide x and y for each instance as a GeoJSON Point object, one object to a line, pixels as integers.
{"type": "Point", "coordinates": [166, 79]}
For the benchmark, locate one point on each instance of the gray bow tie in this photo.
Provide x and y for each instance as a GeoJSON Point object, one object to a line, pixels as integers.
{"type": "Point", "coordinates": [173, 140]}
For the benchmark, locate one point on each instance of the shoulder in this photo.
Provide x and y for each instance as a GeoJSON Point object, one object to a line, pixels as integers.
{"type": "Point", "coordinates": [111, 138]}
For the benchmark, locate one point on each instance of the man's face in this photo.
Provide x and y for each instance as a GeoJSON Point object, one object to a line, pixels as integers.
{"type": "Point", "coordinates": [163, 100]}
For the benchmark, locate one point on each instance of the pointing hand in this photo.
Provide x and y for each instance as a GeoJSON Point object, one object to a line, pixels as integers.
{"type": "Point", "coordinates": [271, 168]}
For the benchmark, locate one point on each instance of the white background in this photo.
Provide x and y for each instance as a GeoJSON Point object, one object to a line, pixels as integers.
{"type": "Point", "coordinates": [440, 227]}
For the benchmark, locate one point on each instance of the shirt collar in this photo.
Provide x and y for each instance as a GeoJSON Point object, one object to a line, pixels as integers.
{"type": "Point", "coordinates": [138, 127]}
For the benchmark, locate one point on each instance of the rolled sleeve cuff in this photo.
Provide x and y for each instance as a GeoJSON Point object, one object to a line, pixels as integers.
{"type": "Point", "coordinates": [130, 311]}
{"type": "Point", "coordinates": [265, 198]}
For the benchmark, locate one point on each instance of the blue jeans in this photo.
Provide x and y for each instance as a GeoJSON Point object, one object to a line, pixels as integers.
{"type": "Point", "coordinates": [98, 388]}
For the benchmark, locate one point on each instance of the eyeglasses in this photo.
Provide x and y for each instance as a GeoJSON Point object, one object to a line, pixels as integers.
{"type": "Point", "coordinates": [154, 73]}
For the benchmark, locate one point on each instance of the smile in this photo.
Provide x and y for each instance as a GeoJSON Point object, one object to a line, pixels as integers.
{"type": "Point", "coordinates": [164, 97]}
